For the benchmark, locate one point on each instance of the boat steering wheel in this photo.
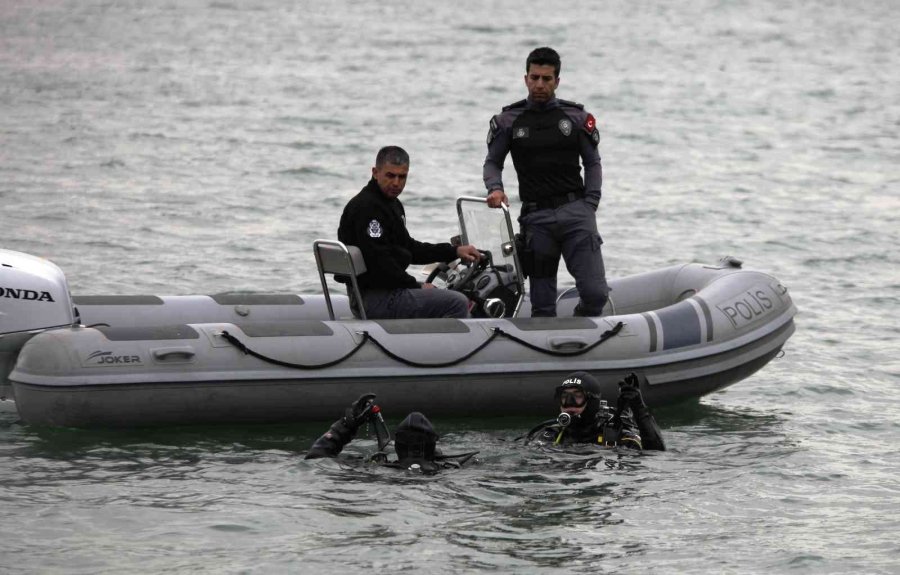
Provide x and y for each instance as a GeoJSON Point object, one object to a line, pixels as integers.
{"type": "Point", "coordinates": [460, 280]}
{"type": "Point", "coordinates": [439, 270]}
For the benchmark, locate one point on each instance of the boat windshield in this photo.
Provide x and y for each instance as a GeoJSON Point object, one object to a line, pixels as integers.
{"type": "Point", "coordinates": [488, 229]}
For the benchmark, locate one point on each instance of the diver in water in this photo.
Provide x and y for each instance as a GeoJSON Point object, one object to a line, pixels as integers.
{"type": "Point", "coordinates": [415, 441]}
{"type": "Point", "coordinates": [585, 418]}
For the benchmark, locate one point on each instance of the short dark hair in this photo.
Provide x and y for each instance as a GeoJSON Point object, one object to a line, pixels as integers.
{"type": "Point", "coordinates": [544, 56]}
{"type": "Point", "coordinates": [391, 155]}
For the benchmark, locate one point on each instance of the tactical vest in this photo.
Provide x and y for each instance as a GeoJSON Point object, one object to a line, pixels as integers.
{"type": "Point", "coordinates": [545, 152]}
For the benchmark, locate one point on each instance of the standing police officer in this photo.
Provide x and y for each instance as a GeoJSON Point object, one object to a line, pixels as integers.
{"type": "Point", "coordinates": [546, 137]}
{"type": "Point", "coordinates": [375, 222]}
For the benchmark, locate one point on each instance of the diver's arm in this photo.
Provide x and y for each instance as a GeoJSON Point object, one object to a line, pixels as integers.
{"type": "Point", "coordinates": [651, 436]}
{"type": "Point", "coordinates": [333, 441]}
{"type": "Point", "coordinates": [344, 429]}
{"type": "Point", "coordinates": [627, 432]}
{"type": "Point", "coordinates": [631, 400]}
{"type": "Point", "coordinates": [543, 432]}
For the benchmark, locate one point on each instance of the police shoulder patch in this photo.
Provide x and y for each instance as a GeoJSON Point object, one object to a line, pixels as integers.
{"type": "Point", "coordinates": [375, 230]}
{"type": "Point", "coordinates": [492, 130]}
{"type": "Point", "coordinates": [590, 126]}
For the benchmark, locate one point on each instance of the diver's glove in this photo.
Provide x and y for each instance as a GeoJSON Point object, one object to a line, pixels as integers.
{"type": "Point", "coordinates": [630, 394]}
{"type": "Point", "coordinates": [359, 412]}
{"type": "Point", "coordinates": [630, 439]}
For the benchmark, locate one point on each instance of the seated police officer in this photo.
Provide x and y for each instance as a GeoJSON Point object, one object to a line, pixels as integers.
{"type": "Point", "coordinates": [584, 418]}
{"type": "Point", "coordinates": [375, 222]}
{"type": "Point", "coordinates": [415, 441]}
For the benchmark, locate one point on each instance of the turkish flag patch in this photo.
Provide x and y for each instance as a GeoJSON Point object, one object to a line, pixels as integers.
{"type": "Point", "coordinates": [590, 123]}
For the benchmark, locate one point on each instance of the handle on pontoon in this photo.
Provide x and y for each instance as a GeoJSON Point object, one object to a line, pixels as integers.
{"type": "Point", "coordinates": [567, 343]}
{"type": "Point", "coordinates": [174, 353]}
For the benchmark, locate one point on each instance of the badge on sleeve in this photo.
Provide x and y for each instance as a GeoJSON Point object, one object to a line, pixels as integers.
{"type": "Point", "coordinates": [375, 229]}
{"type": "Point", "coordinates": [492, 130]}
{"type": "Point", "coordinates": [590, 126]}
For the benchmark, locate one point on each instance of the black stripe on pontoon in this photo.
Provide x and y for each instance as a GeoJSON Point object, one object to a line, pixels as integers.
{"type": "Point", "coordinates": [117, 300]}
{"type": "Point", "coordinates": [285, 329]}
{"type": "Point", "coordinates": [148, 332]}
{"type": "Point", "coordinates": [652, 326]}
{"type": "Point", "coordinates": [257, 299]}
{"type": "Point", "coordinates": [552, 323]}
{"type": "Point", "coordinates": [680, 325]}
{"type": "Point", "coordinates": [422, 326]}
{"type": "Point", "coordinates": [707, 315]}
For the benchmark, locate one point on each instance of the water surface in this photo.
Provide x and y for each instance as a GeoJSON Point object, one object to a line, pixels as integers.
{"type": "Point", "coordinates": [201, 146]}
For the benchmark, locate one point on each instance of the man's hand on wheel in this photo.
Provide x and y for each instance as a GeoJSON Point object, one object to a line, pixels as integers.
{"type": "Point", "coordinates": [468, 253]}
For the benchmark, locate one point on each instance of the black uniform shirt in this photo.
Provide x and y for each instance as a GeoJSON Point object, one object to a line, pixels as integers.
{"type": "Point", "coordinates": [377, 226]}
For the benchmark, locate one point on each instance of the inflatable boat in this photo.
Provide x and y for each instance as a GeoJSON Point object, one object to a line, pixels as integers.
{"type": "Point", "coordinates": [88, 361]}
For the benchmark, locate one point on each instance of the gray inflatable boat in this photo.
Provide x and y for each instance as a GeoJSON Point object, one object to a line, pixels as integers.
{"type": "Point", "coordinates": [86, 361]}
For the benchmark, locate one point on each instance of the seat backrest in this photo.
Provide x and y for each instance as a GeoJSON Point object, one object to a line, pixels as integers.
{"type": "Point", "coordinates": [334, 257]}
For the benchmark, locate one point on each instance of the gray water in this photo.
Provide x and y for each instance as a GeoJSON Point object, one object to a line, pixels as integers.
{"type": "Point", "coordinates": [201, 146]}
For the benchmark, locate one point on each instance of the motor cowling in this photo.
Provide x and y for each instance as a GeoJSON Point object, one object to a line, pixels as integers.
{"type": "Point", "coordinates": [34, 294]}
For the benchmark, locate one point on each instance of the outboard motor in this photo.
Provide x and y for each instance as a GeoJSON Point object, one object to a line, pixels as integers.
{"type": "Point", "coordinates": [34, 296]}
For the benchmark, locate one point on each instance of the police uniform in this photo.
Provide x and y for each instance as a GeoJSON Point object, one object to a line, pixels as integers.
{"type": "Point", "coordinates": [558, 217]}
{"type": "Point", "coordinates": [376, 225]}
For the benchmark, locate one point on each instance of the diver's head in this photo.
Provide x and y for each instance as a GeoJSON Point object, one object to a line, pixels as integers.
{"type": "Point", "coordinates": [579, 396]}
{"type": "Point", "coordinates": [415, 439]}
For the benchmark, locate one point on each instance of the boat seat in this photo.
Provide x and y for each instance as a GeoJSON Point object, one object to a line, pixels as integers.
{"type": "Point", "coordinates": [346, 263]}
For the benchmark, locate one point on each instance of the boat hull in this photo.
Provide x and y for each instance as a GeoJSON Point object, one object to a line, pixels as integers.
{"type": "Point", "coordinates": [271, 400]}
{"type": "Point", "coordinates": [687, 330]}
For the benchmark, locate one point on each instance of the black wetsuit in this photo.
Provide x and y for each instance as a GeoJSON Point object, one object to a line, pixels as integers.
{"type": "Point", "coordinates": [342, 432]}
{"type": "Point", "coordinates": [332, 442]}
{"type": "Point", "coordinates": [626, 430]}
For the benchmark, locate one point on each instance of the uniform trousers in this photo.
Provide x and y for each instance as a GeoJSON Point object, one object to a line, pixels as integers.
{"type": "Point", "coordinates": [570, 231]}
{"type": "Point", "coordinates": [415, 303]}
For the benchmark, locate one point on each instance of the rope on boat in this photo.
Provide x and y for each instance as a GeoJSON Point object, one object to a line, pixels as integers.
{"type": "Point", "coordinates": [452, 362]}
{"type": "Point", "coordinates": [240, 345]}
{"type": "Point", "coordinates": [496, 331]}
{"type": "Point", "coordinates": [603, 337]}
